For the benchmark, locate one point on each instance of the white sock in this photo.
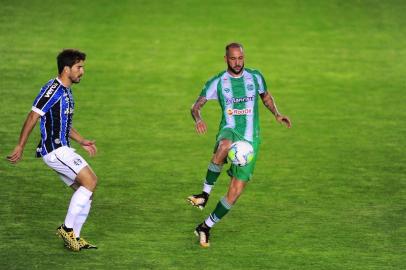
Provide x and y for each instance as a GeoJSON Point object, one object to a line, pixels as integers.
{"type": "Point", "coordinates": [207, 188]}
{"type": "Point", "coordinates": [77, 203]}
{"type": "Point", "coordinates": [209, 222]}
{"type": "Point", "coordinates": [81, 218]}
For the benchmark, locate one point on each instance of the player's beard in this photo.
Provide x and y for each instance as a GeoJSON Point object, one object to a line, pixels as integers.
{"type": "Point", "coordinates": [76, 80]}
{"type": "Point", "coordinates": [235, 71]}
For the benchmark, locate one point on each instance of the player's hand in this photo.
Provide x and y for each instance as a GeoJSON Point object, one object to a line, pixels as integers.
{"type": "Point", "coordinates": [16, 155]}
{"type": "Point", "coordinates": [200, 127]}
{"type": "Point", "coordinates": [284, 120]}
{"type": "Point", "coordinates": [89, 146]}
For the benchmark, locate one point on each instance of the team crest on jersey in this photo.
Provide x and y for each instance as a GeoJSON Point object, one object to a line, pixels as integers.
{"type": "Point", "coordinates": [250, 87]}
{"type": "Point", "coordinates": [226, 90]}
{"type": "Point", "coordinates": [246, 111]}
{"type": "Point", "coordinates": [57, 141]}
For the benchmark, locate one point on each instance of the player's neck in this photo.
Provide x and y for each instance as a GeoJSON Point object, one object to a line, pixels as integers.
{"type": "Point", "coordinates": [234, 75]}
{"type": "Point", "coordinates": [64, 81]}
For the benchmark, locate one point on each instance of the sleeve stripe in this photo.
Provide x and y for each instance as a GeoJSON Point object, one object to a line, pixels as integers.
{"type": "Point", "coordinates": [35, 109]}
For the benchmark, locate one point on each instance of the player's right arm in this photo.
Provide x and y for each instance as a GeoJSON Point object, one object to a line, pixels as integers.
{"type": "Point", "coordinates": [29, 124]}
{"type": "Point", "coordinates": [208, 92]}
{"type": "Point", "coordinates": [47, 97]}
{"type": "Point", "coordinates": [200, 125]}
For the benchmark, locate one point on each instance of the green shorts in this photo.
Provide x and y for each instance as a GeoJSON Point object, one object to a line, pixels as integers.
{"type": "Point", "coordinates": [241, 173]}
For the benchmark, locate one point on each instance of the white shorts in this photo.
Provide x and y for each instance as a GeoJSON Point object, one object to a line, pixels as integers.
{"type": "Point", "coordinates": [66, 162]}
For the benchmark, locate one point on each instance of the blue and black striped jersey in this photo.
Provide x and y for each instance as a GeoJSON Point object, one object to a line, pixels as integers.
{"type": "Point", "coordinates": [55, 105]}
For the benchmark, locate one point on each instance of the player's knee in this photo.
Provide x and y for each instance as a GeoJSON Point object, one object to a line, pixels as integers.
{"type": "Point", "coordinates": [90, 186]}
{"type": "Point", "coordinates": [224, 146]}
{"type": "Point", "coordinates": [89, 182]}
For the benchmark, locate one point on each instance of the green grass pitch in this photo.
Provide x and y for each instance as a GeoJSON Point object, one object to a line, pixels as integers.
{"type": "Point", "coordinates": [328, 194]}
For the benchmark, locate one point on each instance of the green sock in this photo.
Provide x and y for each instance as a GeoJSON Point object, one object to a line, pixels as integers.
{"type": "Point", "coordinates": [219, 212]}
{"type": "Point", "coordinates": [213, 172]}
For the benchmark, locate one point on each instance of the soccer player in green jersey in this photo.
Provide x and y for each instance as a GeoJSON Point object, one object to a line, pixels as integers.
{"type": "Point", "coordinates": [237, 90]}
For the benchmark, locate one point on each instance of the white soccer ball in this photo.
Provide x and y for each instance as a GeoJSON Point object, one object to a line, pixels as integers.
{"type": "Point", "coordinates": [241, 153]}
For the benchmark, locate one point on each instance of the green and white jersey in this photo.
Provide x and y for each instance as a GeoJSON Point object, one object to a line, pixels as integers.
{"type": "Point", "coordinates": [238, 99]}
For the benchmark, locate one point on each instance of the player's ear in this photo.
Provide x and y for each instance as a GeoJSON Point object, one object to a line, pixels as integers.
{"type": "Point", "coordinates": [66, 69]}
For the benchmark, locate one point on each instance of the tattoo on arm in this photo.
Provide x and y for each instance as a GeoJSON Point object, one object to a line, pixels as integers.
{"type": "Point", "coordinates": [195, 111]}
{"type": "Point", "coordinates": [268, 101]}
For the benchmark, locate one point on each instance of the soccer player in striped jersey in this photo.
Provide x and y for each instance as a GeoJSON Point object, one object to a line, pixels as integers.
{"type": "Point", "coordinates": [54, 106]}
{"type": "Point", "coordinates": [237, 90]}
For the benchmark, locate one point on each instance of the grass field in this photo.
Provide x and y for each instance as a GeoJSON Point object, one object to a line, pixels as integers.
{"type": "Point", "coordinates": [328, 194]}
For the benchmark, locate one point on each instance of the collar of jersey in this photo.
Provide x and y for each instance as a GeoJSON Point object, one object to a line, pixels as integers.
{"type": "Point", "coordinates": [61, 83]}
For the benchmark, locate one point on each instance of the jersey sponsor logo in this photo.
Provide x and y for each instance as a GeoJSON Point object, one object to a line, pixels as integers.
{"type": "Point", "coordinates": [239, 100]}
{"type": "Point", "coordinates": [51, 89]}
{"type": "Point", "coordinates": [246, 111]}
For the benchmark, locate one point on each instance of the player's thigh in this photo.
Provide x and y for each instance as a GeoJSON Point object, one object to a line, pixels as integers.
{"type": "Point", "coordinates": [224, 140]}
{"type": "Point", "coordinates": [221, 152]}
{"type": "Point", "coordinates": [87, 178]}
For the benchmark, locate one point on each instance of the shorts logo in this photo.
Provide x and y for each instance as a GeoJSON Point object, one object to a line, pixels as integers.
{"type": "Point", "coordinates": [247, 111]}
{"type": "Point", "coordinates": [226, 90]}
{"type": "Point", "coordinates": [77, 162]}
{"type": "Point", "coordinates": [250, 87]}
{"type": "Point", "coordinates": [51, 89]}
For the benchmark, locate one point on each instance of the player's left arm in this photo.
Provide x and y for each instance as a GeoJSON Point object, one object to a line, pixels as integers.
{"type": "Point", "coordinates": [88, 145]}
{"type": "Point", "coordinates": [269, 102]}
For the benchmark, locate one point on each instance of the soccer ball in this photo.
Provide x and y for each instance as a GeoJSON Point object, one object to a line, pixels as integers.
{"type": "Point", "coordinates": [241, 153]}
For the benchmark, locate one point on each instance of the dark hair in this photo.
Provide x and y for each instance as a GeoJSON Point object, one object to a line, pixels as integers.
{"type": "Point", "coordinates": [69, 57]}
{"type": "Point", "coordinates": [233, 45]}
